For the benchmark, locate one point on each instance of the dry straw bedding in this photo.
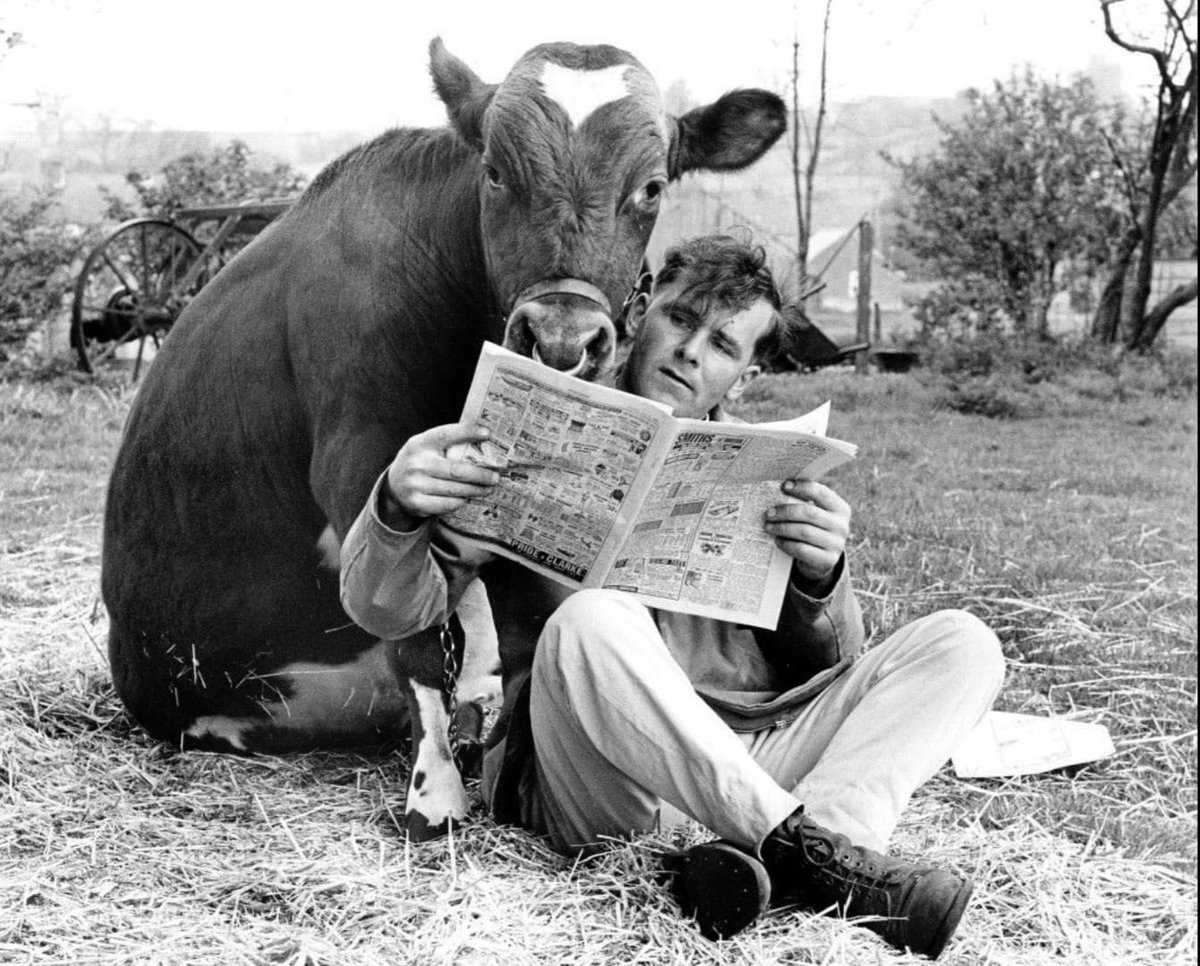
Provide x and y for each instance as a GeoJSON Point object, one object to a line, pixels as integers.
{"type": "Point", "coordinates": [114, 850]}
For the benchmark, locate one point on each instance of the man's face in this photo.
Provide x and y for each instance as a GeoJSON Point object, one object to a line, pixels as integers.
{"type": "Point", "coordinates": [689, 360]}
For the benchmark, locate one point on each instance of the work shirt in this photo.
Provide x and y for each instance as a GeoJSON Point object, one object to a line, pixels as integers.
{"type": "Point", "coordinates": [396, 584]}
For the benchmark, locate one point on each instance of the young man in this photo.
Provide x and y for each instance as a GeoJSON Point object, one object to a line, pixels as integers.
{"type": "Point", "coordinates": [794, 746]}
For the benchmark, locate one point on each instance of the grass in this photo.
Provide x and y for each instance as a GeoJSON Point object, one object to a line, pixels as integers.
{"type": "Point", "coordinates": [1073, 536]}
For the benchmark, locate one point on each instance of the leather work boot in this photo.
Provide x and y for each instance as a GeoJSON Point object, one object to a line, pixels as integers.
{"type": "Point", "coordinates": [723, 888]}
{"type": "Point", "coordinates": [918, 907]}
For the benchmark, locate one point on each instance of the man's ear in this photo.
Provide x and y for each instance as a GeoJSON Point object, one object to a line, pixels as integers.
{"type": "Point", "coordinates": [749, 374]}
{"type": "Point", "coordinates": [637, 312]}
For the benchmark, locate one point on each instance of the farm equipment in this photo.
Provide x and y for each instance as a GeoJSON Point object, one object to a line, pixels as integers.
{"type": "Point", "coordinates": [812, 349]}
{"type": "Point", "coordinates": [134, 284]}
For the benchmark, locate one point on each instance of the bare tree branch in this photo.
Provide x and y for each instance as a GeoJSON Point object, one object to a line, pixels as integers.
{"type": "Point", "coordinates": [1157, 317]}
{"type": "Point", "coordinates": [804, 176]}
{"type": "Point", "coordinates": [1126, 175]}
{"type": "Point", "coordinates": [1180, 24]}
{"type": "Point", "coordinates": [1169, 168]}
{"type": "Point", "coordinates": [1159, 57]}
{"type": "Point", "coordinates": [802, 227]}
{"type": "Point", "coordinates": [1181, 179]}
{"type": "Point", "coordinates": [814, 155]}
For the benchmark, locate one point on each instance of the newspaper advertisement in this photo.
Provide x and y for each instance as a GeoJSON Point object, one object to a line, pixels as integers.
{"type": "Point", "coordinates": [601, 488]}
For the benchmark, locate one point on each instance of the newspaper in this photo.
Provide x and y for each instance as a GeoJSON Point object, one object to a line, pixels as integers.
{"type": "Point", "coordinates": [1005, 744]}
{"type": "Point", "coordinates": [600, 488]}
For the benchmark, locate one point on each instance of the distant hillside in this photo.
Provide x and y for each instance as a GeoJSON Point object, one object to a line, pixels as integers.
{"type": "Point", "coordinates": [81, 161]}
{"type": "Point", "coordinates": [851, 179]}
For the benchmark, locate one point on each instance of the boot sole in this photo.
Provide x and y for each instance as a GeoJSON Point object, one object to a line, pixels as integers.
{"type": "Point", "coordinates": [722, 888]}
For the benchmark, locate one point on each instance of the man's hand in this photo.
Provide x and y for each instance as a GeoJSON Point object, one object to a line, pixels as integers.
{"type": "Point", "coordinates": [812, 529]}
{"type": "Point", "coordinates": [425, 480]}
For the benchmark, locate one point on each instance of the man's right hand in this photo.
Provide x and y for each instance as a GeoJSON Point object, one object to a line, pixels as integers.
{"type": "Point", "coordinates": [425, 480]}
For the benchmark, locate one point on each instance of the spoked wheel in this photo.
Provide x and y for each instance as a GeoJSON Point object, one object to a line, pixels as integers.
{"type": "Point", "coordinates": [133, 286]}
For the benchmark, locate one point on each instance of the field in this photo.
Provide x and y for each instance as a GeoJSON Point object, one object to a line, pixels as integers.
{"type": "Point", "coordinates": [1074, 536]}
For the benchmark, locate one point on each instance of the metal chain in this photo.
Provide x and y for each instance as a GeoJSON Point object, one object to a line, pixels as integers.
{"type": "Point", "coordinates": [450, 684]}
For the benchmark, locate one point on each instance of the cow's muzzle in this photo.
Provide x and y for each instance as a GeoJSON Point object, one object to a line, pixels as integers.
{"type": "Point", "coordinates": [566, 324]}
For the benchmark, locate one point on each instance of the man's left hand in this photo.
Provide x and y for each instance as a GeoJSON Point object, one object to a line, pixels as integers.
{"type": "Point", "coordinates": [811, 529]}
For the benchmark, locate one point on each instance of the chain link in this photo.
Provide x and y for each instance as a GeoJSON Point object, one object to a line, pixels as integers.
{"type": "Point", "coordinates": [450, 684]}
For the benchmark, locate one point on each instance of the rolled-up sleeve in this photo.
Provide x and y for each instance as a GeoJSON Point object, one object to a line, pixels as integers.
{"type": "Point", "coordinates": [396, 583]}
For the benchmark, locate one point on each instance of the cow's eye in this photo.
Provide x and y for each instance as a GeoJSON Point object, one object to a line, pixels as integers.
{"type": "Point", "coordinates": [648, 196]}
{"type": "Point", "coordinates": [493, 176]}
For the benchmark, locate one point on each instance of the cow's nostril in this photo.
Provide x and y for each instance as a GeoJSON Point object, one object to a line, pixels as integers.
{"type": "Point", "coordinates": [601, 344]}
{"type": "Point", "coordinates": [562, 330]}
{"type": "Point", "coordinates": [519, 336]}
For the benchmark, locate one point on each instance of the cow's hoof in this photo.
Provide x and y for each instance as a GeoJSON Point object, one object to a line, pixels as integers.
{"type": "Point", "coordinates": [419, 828]}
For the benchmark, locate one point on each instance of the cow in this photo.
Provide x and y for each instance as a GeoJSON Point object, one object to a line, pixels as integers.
{"type": "Point", "coordinates": [352, 322]}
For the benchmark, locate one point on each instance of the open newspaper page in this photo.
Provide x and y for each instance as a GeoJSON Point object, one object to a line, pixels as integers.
{"type": "Point", "coordinates": [698, 543]}
{"type": "Point", "coordinates": [572, 453]}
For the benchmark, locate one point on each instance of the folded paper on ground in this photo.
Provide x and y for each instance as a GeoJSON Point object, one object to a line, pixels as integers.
{"type": "Point", "coordinates": [1005, 745]}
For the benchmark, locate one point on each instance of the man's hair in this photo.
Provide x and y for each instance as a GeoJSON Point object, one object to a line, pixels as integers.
{"type": "Point", "coordinates": [733, 274]}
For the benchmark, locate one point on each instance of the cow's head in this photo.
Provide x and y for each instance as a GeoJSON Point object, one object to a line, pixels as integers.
{"type": "Point", "coordinates": [575, 151]}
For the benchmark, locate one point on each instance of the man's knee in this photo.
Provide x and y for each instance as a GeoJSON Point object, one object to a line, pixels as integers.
{"type": "Point", "coordinates": [966, 642]}
{"type": "Point", "coordinates": [589, 625]}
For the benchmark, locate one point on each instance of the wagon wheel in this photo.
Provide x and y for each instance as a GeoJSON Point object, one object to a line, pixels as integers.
{"type": "Point", "coordinates": [132, 287]}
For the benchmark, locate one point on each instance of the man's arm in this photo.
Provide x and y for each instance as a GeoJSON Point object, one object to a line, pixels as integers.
{"type": "Point", "coordinates": [820, 622]}
{"type": "Point", "coordinates": [395, 583]}
{"type": "Point", "coordinates": [400, 572]}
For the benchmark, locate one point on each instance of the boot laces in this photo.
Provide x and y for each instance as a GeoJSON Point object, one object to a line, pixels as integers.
{"type": "Point", "coordinates": [856, 869]}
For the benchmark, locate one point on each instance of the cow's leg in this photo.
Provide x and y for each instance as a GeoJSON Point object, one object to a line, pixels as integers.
{"type": "Point", "coordinates": [305, 704]}
{"type": "Point", "coordinates": [479, 673]}
{"type": "Point", "coordinates": [436, 799]}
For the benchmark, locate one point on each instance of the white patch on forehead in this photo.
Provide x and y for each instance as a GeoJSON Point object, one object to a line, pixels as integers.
{"type": "Point", "coordinates": [580, 92]}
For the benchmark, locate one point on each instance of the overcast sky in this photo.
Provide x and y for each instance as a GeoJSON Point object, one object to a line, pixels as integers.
{"type": "Point", "coordinates": [247, 65]}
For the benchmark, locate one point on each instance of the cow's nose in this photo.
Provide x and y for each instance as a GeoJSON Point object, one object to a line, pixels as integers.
{"type": "Point", "coordinates": [564, 331]}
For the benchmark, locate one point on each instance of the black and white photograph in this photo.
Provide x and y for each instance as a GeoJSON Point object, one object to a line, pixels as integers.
{"type": "Point", "coordinates": [539, 484]}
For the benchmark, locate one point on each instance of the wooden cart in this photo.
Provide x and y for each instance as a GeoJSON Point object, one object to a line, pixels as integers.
{"type": "Point", "coordinates": [134, 284]}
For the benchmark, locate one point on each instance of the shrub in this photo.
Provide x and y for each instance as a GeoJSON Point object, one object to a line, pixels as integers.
{"type": "Point", "coordinates": [1012, 379]}
{"type": "Point", "coordinates": [36, 255]}
{"type": "Point", "coordinates": [224, 176]}
{"type": "Point", "coordinates": [965, 309]}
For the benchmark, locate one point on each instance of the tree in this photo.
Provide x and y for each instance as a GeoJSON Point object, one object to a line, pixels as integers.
{"type": "Point", "coordinates": [223, 176]}
{"type": "Point", "coordinates": [1155, 171]}
{"type": "Point", "coordinates": [806, 171]}
{"type": "Point", "coordinates": [1018, 190]}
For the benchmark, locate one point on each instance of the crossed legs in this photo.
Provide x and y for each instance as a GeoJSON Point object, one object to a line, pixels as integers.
{"type": "Point", "coordinates": [625, 745]}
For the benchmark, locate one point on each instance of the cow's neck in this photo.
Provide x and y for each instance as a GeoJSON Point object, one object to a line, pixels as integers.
{"type": "Point", "coordinates": [436, 224]}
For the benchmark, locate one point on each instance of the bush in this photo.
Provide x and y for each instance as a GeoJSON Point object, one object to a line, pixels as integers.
{"type": "Point", "coordinates": [224, 176]}
{"type": "Point", "coordinates": [1000, 376]}
{"type": "Point", "coordinates": [965, 309]}
{"type": "Point", "coordinates": [36, 256]}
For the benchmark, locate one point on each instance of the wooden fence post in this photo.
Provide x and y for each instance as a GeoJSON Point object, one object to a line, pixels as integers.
{"type": "Point", "coordinates": [866, 244]}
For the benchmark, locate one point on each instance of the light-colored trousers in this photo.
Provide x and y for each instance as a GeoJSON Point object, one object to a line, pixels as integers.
{"type": "Point", "coordinates": [625, 745]}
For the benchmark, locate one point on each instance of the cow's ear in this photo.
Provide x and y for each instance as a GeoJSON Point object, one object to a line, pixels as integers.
{"type": "Point", "coordinates": [466, 97]}
{"type": "Point", "coordinates": [727, 135]}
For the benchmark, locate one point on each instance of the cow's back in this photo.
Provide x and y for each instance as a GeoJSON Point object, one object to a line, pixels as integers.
{"type": "Point", "coordinates": [220, 563]}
